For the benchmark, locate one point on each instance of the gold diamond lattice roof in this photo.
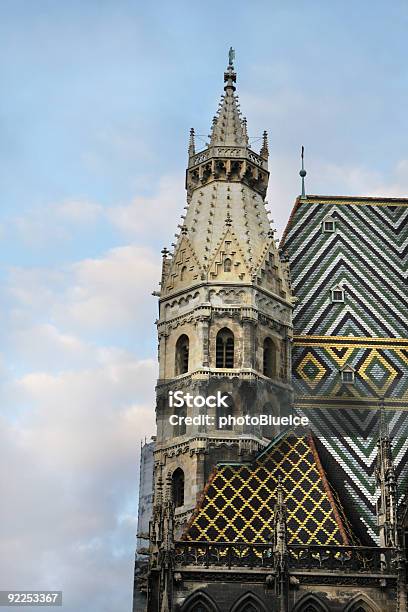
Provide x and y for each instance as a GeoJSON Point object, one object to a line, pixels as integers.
{"type": "Point", "coordinates": [238, 502]}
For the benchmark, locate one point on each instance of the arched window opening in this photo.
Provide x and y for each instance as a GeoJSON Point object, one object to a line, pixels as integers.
{"type": "Point", "coordinates": [225, 412]}
{"type": "Point", "coordinates": [269, 358]}
{"type": "Point", "coordinates": [224, 354]}
{"type": "Point", "coordinates": [361, 604]}
{"type": "Point", "coordinates": [310, 604]}
{"type": "Point", "coordinates": [250, 607]}
{"type": "Point", "coordinates": [227, 265]}
{"type": "Point", "coordinates": [182, 349]}
{"type": "Point", "coordinates": [199, 602]}
{"type": "Point", "coordinates": [178, 487]}
{"type": "Point", "coordinates": [249, 603]}
{"type": "Point", "coordinates": [183, 273]}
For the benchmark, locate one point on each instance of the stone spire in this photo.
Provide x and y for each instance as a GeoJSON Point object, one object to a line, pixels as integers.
{"type": "Point", "coordinates": [228, 128]}
{"type": "Point", "coordinates": [226, 234]}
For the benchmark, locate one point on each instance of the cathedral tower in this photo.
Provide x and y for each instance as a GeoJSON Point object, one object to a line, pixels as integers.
{"type": "Point", "coordinates": [225, 306]}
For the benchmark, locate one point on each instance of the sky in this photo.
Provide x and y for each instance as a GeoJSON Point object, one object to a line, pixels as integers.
{"type": "Point", "coordinates": [97, 100]}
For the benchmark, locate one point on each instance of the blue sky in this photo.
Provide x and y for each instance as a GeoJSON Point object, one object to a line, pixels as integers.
{"type": "Point", "coordinates": [96, 105]}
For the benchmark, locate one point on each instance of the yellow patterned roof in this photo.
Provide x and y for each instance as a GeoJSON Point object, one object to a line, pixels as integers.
{"type": "Point", "coordinates": [238, 501]}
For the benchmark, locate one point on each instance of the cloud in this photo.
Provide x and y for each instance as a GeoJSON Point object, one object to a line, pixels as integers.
{"type": "Point", "coordinates": [50, 224]}
{"type": "Point", "coordinates": [325, 178]}
{"type": "Point", "coordinates": [108, 292]}
{"type": "Point", "coordinates": [396, 186]}
{"type": "Point", "coordinates": [152, 216]}
{"type": "Point", "coordinates": [70, 481]}
{"type": "Point", "coordinates": [78, 211]}
{"type": "Point", "coordinates": [74, 410]}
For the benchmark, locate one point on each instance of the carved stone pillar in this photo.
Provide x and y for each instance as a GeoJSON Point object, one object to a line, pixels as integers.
{"type": "Point", "coordinates": [248, 343]}
{"type": "Point", "coordinates": [205, 342]}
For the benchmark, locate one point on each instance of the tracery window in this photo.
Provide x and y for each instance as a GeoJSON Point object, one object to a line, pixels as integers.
{"type": "Point", "coordinates": [182, 350]}
{"type": "Point", "coordinates": [224, 351]}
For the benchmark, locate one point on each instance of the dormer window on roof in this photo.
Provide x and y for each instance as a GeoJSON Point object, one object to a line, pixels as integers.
{"type": "Point", "coordinates": [329, 225]}
{"type": "Point", "coordinates": [347, 375]}
{"type": "Point", "coordinates": [337, 294]}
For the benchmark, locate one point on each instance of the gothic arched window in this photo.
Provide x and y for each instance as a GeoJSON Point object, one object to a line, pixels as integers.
{"type": "Point", "coordinates": [310, 603]}
{"type": "Point", "coordinates": [183, 273]}
{"type": "Point", "coordinates": [178, 487]}
{"type": "Point", "coordinates": [199, 602]}
{"type": "Point", "coordinates": [182, 348]}
{"type": "Point", "coordinates": [224, 352]}
{"type": "Point", "coordinates": [248, 603]}
{"type": "Point", "coordinates": [269, 358]}
{"type": "Point", "coordinates": [361, 603]}
{"type": "Point", "coordinates": [227, 265]}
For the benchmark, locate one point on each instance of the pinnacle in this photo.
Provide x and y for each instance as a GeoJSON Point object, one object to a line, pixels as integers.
{"type": "Point", "coordinates": [228, 128]}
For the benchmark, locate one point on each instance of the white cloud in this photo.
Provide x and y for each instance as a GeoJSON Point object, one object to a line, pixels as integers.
{"type": "Point", "coordinates": [154, 217]}
{"type": "Point", "coordinates": [114, 290]}
{"type": "Point", "coordinates": [396, 186]}
{"type": "Point", "coordinates": [104, 293]}
{"type": "Point", "coordinates": [70, 481]}
{"type": "Point", "coordinates": [73, 414]}
{"type": "Point", "coordinates": [78, 211]}
{"type": "Point", "coordinates": [325, 178]}
{"type": "Point", "coordinates": [50, 224]}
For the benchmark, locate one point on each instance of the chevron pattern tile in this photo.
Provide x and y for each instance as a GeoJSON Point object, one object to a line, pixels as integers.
{"type": "Point", "coordinates": [366, 257]}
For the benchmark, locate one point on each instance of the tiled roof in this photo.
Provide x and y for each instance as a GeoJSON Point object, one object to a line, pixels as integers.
{"type": "Point", "coordinates": [238, 503]}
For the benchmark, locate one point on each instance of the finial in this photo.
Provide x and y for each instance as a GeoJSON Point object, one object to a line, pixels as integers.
{"type": "Point", "coordinates": [191, 144]}
{"type": "Point", "coordinates": [228, 220]}
{"type": "Point", "coordinates": [229, 75]}
{"type": "Point", "coordinates": [303, 173]}
{"type": "Point", "coordinates": [264, 152]}
{"type": "Point", "coordinates": [245, 129]}
{"type": "Point", "coordinates": [165, 252]}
